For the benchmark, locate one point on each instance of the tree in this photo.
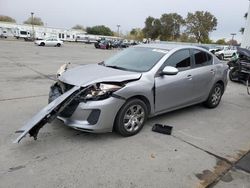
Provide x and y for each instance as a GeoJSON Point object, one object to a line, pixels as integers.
{"type": "Point", "coordinates": [221, 41]}
{"type": "Point", "coordinates": [200, 24]}
{"type": "Point", "coordinates": [232, 42]}
{"type": "Point", "coordinates": [78, 27]}
{"type": "Point", "coordinates": [34, 21]}
{"type": "Point", "coordinates": [184, 37]}
{"type": "Point", "coordinates": [7, 19]}
{"type": "Point", "coordinates": [136, 34]}
{"type": "Point", "coordinates": [171, 24]}
{"type": "Point", "coordinates": [99, 30]}
{"type": "Point", "coordinates": [152, 28]}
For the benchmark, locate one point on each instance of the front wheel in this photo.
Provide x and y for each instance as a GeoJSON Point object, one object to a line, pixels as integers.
{"type": "Point", "coordinates": [214, 96]}
{"type": "Point", "coordinates": [58, 45]}
{"type": "Point", "coordinates": [131, 117]}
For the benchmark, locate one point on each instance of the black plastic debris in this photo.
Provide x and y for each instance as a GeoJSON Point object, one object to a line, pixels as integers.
{"type": "Point", "coordinates": [165, 129]}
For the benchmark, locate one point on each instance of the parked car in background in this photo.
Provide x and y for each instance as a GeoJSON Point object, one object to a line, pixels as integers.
{"type": "Point", "coordinates": [139, 82]}
{"type": "Point", "coordinates": [226, 52]}
{"type": "Point", "coordinates": [49, 42]}
{"type": "Point", "coordinates": [103, 44]}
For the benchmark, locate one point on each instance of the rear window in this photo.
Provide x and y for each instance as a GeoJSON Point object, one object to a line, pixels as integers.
{"type": "Point", "coordinates": [202, 58]}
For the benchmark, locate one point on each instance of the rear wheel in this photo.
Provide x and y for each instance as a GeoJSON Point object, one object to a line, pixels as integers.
{"type": "Point", "coordinates": [131, 117]}
{"type": "Point", "coordinates": [42, 44]}
{"type": "Point", "coordinates": [58, 45]}
{"type": "Point", "coordinates": [215, 96]}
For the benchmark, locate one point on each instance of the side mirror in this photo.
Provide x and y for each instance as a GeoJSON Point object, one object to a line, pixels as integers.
{"type": "Point", "coordinates": [168, 70]}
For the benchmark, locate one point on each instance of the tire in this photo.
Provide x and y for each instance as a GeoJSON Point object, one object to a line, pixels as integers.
{"type": "Point", "coordinates": [42, 44]}
{"type": "Point", "coordinates": [131, 118]}
{"type": "Point", "coordinates": [58, 45]}
{"type": "Point", "coordinates": [215, 95]}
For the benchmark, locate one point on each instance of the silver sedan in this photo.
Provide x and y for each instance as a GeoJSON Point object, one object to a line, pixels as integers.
{"type": "Point", "coordinates": [139, 82]}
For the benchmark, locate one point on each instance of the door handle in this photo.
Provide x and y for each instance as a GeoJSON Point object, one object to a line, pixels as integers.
{"type": "Point", "coordinates": [212, 71]}
{"type": "Point", "coordinates": [189, 77]}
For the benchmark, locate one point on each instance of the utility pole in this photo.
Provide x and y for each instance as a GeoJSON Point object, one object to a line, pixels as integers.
{"type": "Point", "coordinates": [233, 34]}
{"type": "Point", "coordinates": [32, 23]}
{"type": "Point", "coordinates": [118, 30]}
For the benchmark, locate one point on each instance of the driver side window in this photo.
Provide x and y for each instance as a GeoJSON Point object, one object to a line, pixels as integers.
{"type": "Point", "coordinates": [180, 60]}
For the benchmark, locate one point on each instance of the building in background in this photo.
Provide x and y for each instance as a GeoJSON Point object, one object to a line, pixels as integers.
{"type": "Point", "coordinates": [246, 36]}
{"type": "Point", "coordinates": [25, 31]}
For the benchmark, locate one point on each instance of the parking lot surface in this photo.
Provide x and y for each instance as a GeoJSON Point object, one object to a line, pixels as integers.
{"type": "Point", "coordinates": [202, 151]}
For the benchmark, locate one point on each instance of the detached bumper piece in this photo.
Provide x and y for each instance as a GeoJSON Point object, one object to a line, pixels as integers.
{"type": "Point", "coordinates": [165, 129]}
{"type": "Point", "coordinates": [50, 112]}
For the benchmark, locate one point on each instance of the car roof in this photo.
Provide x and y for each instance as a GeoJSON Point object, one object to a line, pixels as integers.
{"type": "Point", "coordinates": [168, 46]}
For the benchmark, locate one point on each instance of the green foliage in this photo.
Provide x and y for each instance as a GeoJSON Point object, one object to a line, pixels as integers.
{"type": "Point", "coordinates": [171, 24]}
{"type": "Point", "coordinates": [221, 41]}
{"type": "Point", "coordinates": [99, 30]}
{"type": "Point", "coordinates": [152, 27]}
{"type": "Point", "coordinates": [168, 27]}
{"type": "Point", "coordinates": [34, 21]}
{"type": "Point", "coordinates": [184, 37]}
{"type": "Point", "coordinates": [7, 19]}
{"type": "Point", "coordinates": [78, 27]}
{"type": "Point", "coordinates": [136, 34]}
{"type": "Point", "coordinates": [200, 24]}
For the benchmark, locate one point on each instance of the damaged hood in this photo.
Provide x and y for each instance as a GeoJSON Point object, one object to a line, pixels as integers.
{"type": "Point", "coordinates": [94, 73]}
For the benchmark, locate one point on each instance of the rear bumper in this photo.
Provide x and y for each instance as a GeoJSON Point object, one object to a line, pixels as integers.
{"type": "Point", "coordinates": [94, 116]}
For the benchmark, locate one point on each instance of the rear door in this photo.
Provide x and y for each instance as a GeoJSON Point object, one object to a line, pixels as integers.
{"type": "Point", "coordinates": [173, 91]}
{"type": "Point", "coordinates": [203, 74]}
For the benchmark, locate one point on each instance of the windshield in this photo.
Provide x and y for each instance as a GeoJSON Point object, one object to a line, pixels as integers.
{"type": "Point", "coordinates": [136, 59]}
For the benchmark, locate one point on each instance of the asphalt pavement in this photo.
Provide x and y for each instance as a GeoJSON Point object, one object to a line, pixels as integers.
{"type": "Point", "coordinates": [204, 150]}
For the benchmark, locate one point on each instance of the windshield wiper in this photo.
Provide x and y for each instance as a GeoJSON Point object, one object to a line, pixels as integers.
{"type": "Point", "coordinates": [116, 67]}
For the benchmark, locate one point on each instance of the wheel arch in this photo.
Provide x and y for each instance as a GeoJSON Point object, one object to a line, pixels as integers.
{"type": "Point", "coordinates": [140, 97]}
{"type": "Point", "coordinates": [222, 84]}
{"type": "Point", "coordinates": [144, 99]}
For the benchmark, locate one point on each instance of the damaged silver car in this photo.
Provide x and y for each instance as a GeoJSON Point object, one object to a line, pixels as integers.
{"type": "Point", "coordinates": [139, 82]}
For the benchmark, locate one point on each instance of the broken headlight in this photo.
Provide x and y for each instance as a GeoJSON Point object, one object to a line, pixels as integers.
{"type": "Point", "coordinates": [101, 91]}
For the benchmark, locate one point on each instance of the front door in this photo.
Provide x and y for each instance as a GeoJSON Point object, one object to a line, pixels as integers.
{"type": "Point", "coordinates": [173, 91]}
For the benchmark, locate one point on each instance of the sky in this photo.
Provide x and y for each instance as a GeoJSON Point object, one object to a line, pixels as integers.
{"type": "Point", "coordinates": [127, 13]}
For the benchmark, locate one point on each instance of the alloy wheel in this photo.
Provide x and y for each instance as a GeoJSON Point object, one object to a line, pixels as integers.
{"type": "Point", "coordinates": [134, 118]}
{"type": "Point", "coordinates": [216, 95]}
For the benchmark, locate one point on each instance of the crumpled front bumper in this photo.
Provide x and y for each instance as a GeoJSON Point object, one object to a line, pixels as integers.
{"type": "Point", "coordinates": [94, 116]}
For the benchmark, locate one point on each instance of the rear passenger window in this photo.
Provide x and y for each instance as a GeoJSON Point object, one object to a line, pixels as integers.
{"type": "Point", "coordinates": [180, 59]}
{"type": "Point", "coordinates": [202, 58]}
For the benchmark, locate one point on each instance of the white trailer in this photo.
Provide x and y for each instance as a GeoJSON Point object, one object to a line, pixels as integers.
{"type": "Point", "coordinates": [3, 33]}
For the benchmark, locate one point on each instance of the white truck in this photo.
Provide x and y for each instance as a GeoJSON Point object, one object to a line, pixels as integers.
{"type": "Point", "coordinates": [226, 52]}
